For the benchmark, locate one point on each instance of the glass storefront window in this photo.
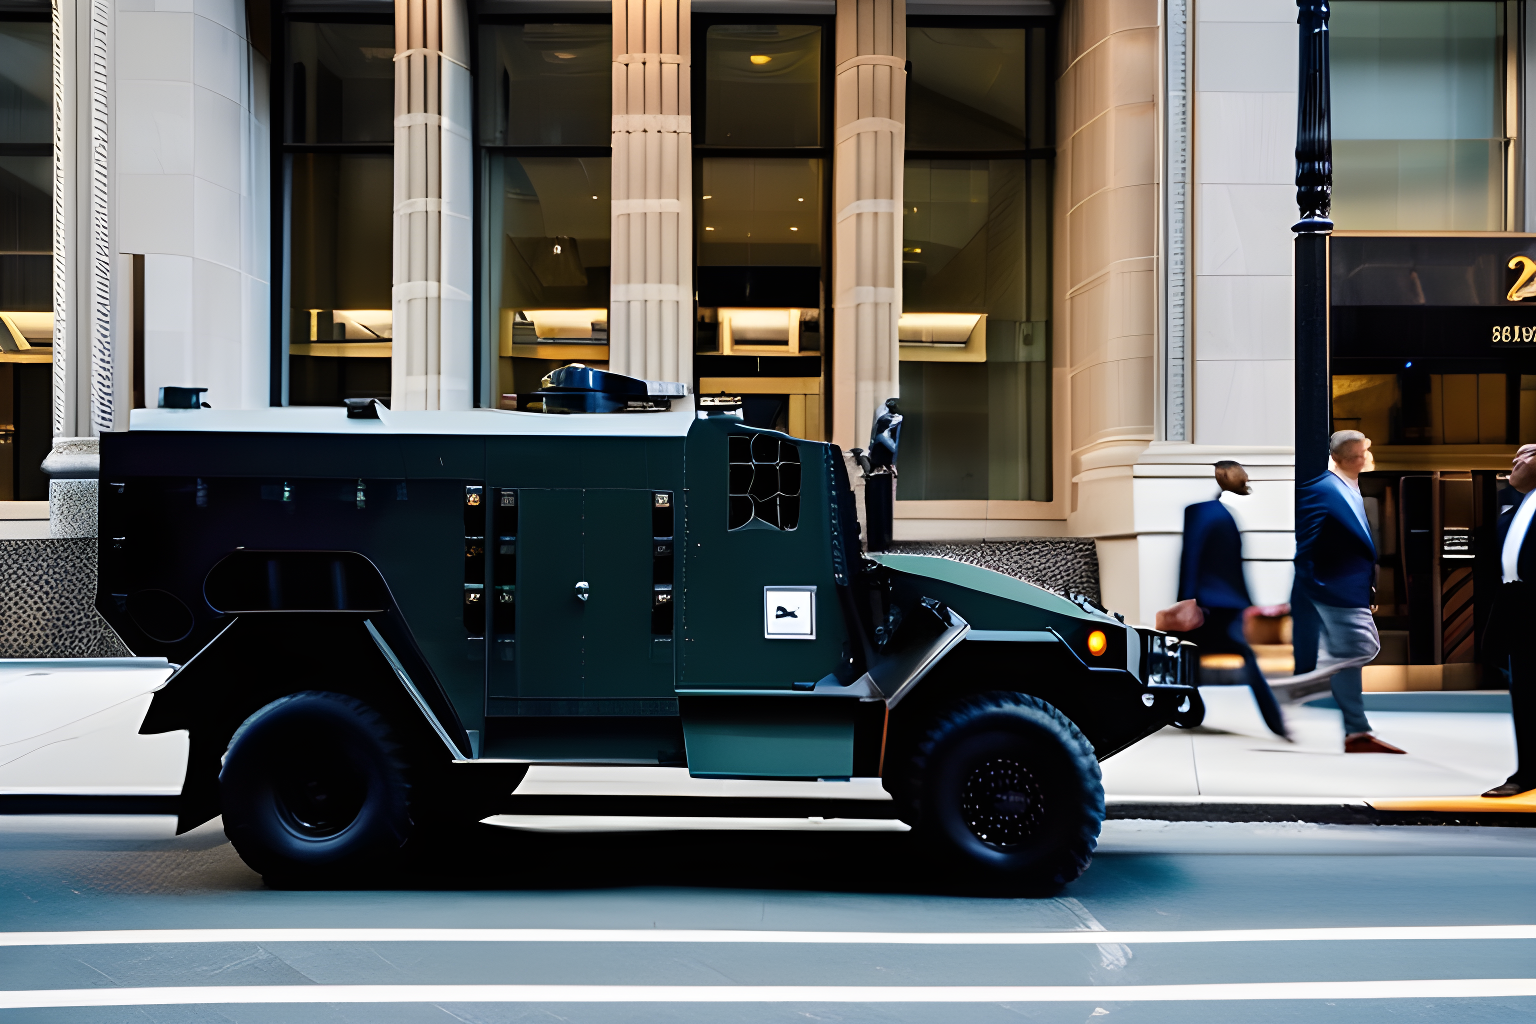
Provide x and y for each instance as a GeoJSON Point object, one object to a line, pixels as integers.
{"type": "Point", "coordinates": [763, 86]}
{"type": "Point", "coordinates": [1423, 408]}
{"type": "Point", "coordinates": [760, 213]}
{"type": "Point", "coordinates": [758, 225]}
{"type": "Point", "coordinates": [26, 260]}
{"type": "Point", "coordinates": [338, 128]}
{"type": "Point", "coordinates": [547, 263]}
{"type": "Point", "coordinates": [966, 90]}
{"type": "Point", "coordinates": [546, 85]}
{"type": "Point", "coordinates": [974, 332]}
{"type": "Point", "coordinates": [341, 86]}
{"type": "Point", "coordinates": [1418, 137]}
{"type": "Point", "coordinates": [340, 273]}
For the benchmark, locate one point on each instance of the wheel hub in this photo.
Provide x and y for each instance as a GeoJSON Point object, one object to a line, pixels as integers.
{"type": "Point", "coordinates": [320, 797]}
{"type": "Point", "coordinates": [1003, 802]}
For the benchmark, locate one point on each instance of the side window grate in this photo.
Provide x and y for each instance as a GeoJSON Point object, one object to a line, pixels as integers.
{"type": "Point", "coordinates": [764, 482]}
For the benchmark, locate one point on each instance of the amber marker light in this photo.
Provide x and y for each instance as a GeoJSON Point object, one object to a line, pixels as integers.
{"type": "Point", "coordinates": [1098, 643]}
{"type": "Point", "coordinates": [759, 58]}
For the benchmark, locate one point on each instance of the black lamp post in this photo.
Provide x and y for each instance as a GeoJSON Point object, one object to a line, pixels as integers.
{"type": "Point", "coordinates": [1314, 187]}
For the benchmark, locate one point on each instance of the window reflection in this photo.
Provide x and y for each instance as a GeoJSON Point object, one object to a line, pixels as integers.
{"type": "Point", "coordinates": [26, 82]}
{"type": "Point", "coordinates": [763, 86]}
{"type": "Point", "coordinates": [1418, 407]}
{"type": "Point", "coordinates": [341, 83]}
{"type": "Point", "coordinates": [546, 85]}
{"type": "Point", "coordinates": [966, 90]}
{"type": "Point", "coordinates": [26, 261]}
{"type": "Point", "coordinates": [974, 336]}
{"type": "Point", "coordinates": [1418, 136]}
{"type": "Point", "coordinates": [760, 213]}
{"type": "Point", "coordinates": [759, 226]}
{"type": "Point", "coordinates": [340, 273]}
{"type": "Point", "coordinates": [548, 263]}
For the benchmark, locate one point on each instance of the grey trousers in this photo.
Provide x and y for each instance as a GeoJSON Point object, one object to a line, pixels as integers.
{"type": "Point", "coordinates": [1347, 640]}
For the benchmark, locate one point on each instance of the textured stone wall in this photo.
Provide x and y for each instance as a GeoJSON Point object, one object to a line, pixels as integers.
{"type": "Point", "coordinates": [47, 595]}
{"type": "Point", "coordinates": [1065, 566]}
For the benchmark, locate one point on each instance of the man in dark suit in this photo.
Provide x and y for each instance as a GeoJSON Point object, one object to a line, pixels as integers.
{"type": "Point", "coordinates": [1335, 570]}
{"type": "Point", "coordinates": [1514, 611]}
{"type": "Point", "coordinates": [1211, 573]}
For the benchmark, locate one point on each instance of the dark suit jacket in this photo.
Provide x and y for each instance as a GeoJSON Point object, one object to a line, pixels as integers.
{"type": "Point", "coordinates": [1211, 570]}
{"type": "Point", "coordinates": [1510, 621]}
{"type": "Point", "coordinates": [1335, 558]}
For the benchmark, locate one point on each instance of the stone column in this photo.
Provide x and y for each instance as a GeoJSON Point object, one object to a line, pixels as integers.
{"type": "Point", "coordinates": [432, 359]}
{"type": "Point", "coordinates": [870, 113]}
{"type": "Point", "coordinates": [650, 324]}
{"type": "Point", "coordinates": [84, 384]}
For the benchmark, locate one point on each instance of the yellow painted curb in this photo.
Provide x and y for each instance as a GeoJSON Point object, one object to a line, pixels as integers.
{"type": "Point", "coordinates": [1525, 802]}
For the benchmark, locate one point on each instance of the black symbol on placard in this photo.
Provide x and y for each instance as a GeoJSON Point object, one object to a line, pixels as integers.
{"type": "Point", "coordinates": [784, 613]}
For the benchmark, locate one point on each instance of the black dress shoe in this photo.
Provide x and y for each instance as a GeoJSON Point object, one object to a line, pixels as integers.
{"type": "Point", "coordinates": [1514, 787]}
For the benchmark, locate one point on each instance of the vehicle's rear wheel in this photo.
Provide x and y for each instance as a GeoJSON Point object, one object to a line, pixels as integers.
{"type": "Point", "coordinates": [314, 789]}
{"type": "Point", "coordinates": [1007, 787]}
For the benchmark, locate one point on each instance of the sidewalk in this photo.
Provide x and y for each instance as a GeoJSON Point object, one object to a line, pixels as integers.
{"type": "Point", "coordinates": [1459, 744]}
{"type": "Point", "coordinates": [70, 729]}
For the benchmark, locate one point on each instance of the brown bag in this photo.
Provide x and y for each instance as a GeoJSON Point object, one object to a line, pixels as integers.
{"type": "Point", "coordinates": [1184, 617]}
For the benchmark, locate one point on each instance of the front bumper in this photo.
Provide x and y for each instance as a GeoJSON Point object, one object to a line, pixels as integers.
{"type": "Point", "coordinates": [1170, 677]}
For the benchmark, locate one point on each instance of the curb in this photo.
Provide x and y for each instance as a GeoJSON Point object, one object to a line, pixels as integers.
{"type": "Point", "coordinates": [1311, 813]}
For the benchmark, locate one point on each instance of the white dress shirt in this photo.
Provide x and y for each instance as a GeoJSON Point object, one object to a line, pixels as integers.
{"type": "Point", "coordinates": [1356, 500]}
{"type": "Point", "coordinates": [1524, 512]}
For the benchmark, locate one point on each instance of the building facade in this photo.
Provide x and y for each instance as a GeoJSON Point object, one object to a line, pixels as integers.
{"type": "Point", "coordinates": [1058, 232]}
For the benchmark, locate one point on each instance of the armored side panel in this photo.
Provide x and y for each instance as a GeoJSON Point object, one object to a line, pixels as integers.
{"type": "Point", "coordinates": [761, 618]}
{"type": "Point", "coordinates": [579, 577]}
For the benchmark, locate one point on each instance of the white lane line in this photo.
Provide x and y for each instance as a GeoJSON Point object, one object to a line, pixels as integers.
{"type": "Point", "coordinates": [195, 935]}
{"type": "Point", "coordinates": [1447, 988]}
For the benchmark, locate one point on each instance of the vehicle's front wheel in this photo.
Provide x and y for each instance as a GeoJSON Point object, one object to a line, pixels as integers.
{"type": "Point", "coordinates": [313, 789]}
{"type": "Point", "coordinates": [1007, 787]}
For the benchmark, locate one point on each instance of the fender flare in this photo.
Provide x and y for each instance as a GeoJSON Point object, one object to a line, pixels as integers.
{"type": "Point", "coordinates": [249, 663]}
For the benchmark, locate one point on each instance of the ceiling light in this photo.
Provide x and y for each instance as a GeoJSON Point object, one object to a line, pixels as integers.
{"type": "Point", "coordinates": [760, 58]}
{"type": "Point", "coordinates": [794, 229]}
{"type": "Point", "coordinates": [799, 200]}
{"type": "Point", "coordinates": [709, 229]}
{"type": "Point", "coordinates": [594, 197]}
{"type": "Point", "coordinates": [709, 197]}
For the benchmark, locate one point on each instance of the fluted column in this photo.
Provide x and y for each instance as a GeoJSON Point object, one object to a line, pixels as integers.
{"type": "Point", "coordinates": [432, 358]}
{"type": "Point", "coordinates": [870, 116]}
{"type": "Point", "coordinates": [650, 324]}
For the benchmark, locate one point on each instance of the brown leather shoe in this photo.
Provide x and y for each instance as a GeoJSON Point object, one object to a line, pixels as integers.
{"type": "Point", "coordinates": [1511, 788]}
{"type": "Point", "coordinates": [1365, 743]}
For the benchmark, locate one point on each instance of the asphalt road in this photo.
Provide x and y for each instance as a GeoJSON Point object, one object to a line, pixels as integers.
{"type": "Point", "coordinates": [775, 927]}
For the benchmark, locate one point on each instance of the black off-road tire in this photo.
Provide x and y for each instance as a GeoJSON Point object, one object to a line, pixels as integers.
{"type": "Point", "coordinates": [1007, 789]}
{"type": "Point", "coordinates": [315, 791]}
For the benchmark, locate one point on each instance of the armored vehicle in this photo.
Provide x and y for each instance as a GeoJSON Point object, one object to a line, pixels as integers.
{"type": "Point", "coordinates": [383, 618]}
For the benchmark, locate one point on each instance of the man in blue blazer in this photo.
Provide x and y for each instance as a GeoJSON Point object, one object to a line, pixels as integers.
{"type": "Point", "coordinates": [1335, 570]}
{"type": "Point", "coordinates": [1507, 635]}
{"type": "Point", "coordinates": [1211, 573]}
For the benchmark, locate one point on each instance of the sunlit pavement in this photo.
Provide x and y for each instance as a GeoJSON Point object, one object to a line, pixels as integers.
{"type": "Point", "coordinates": [775, 926]}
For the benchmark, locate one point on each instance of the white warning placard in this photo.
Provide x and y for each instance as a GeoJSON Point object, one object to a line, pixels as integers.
{"type": "Point", "coordinates": [789, 613]}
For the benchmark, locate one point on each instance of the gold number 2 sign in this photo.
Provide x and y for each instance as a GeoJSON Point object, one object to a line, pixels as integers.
{"type": "Point", "coordinates": [1524, 288]}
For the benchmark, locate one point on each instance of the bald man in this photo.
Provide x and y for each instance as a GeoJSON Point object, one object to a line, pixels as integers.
{"type": "Point", "coordinates": [1508, 634]}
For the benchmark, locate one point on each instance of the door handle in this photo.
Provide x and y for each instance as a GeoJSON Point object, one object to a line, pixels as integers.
{"type": "Point", "coordinates": [582, 590]}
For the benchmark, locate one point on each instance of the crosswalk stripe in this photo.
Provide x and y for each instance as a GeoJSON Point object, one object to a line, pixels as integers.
{"type": "Point", "coordinates": [1447, 988]}
{"type": "Point", "coordinates": [152, 936]}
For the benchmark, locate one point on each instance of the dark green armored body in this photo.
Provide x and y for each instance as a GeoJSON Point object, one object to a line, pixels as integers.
{"type": "Point", "coordinates": [383, 620]}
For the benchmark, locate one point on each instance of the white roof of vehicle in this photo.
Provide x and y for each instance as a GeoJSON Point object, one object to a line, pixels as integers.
{"type": "Point", "coordinates": [295, 419]}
